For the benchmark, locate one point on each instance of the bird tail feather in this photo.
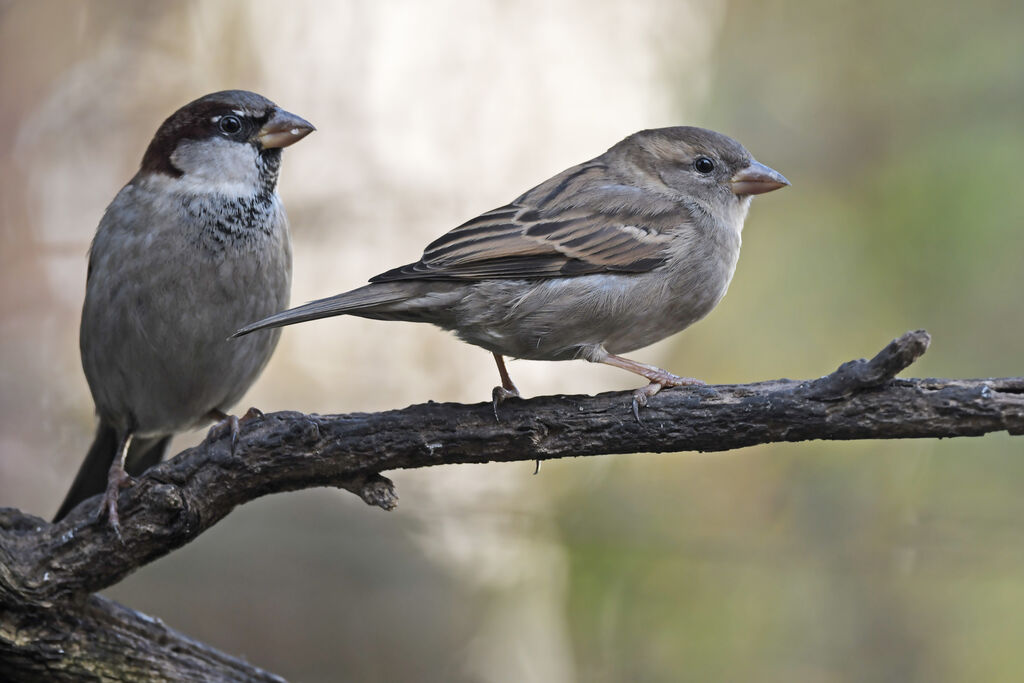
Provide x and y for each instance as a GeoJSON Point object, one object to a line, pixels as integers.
{"type": "Point", "coordinates": [357, 302]}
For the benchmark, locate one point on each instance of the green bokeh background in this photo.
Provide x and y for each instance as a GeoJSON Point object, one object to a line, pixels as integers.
{"type": "Point", "coordinates": [901, 128]}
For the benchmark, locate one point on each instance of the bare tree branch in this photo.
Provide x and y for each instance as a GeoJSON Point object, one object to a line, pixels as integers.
{"type": "Point", "coordinates": [45, 568]}
{"type": "Point", "coordinates": [97, 639]}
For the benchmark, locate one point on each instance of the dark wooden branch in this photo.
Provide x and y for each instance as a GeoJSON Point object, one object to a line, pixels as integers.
{"type": "Point", "coordinates": [97, 639]}
{"type": "Point", "coordinates": [45, 568]}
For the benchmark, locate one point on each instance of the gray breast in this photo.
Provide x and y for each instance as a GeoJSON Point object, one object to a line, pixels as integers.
{"type": "Point", "coordinates": [162, 299]}
{"type": "Point", "coordinates": [570, 317]}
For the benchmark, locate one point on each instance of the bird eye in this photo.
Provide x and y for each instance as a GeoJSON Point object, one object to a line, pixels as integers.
{"type": "Point", "coordinates": [704, 165]}
{"type": "Point", "coordinates": [230, 125]}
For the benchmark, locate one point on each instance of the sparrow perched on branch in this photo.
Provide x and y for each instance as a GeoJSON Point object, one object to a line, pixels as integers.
{"type": "Point", "coordinates": [602, 259]}
{"type": "Point", "coordinates": [193, 246]}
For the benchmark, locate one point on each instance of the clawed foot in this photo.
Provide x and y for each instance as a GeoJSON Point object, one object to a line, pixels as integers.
{"type": "Point", "coordinates": [230, 424]}
{"type": "Point", "coordinates": [499, 395]}
{"type": "Point", "coordinates": [641, 397]}
{"type": "Point", "coordinates": [507, 389]}
{"type": "Point", "coordinates": [659, 380]}
{"type": "Point", "coordinates": [657, 377]}
{"type": "Point", "coordinates": [117, 479]}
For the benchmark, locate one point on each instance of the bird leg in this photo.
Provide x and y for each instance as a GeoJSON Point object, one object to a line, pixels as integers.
{"type": "Point", "coordinates": [230, 424]}
{"type": "Point", "coordinates": [117, 479]}
{"type": "Point", "coordinates": [507, 389]}
{"type": "Point", "coordinates": [657, 377]}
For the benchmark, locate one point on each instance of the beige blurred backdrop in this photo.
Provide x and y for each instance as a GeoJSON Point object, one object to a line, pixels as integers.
{"type": "Point", "coordinates": [901, 128]}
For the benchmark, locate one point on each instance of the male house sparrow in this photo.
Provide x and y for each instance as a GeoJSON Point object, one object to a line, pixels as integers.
{"type": "Point", "coordinates": [193, 246]}
{"type": "Point", "coordinates": [604, 258]}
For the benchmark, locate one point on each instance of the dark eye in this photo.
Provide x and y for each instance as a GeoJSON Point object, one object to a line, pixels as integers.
{"type": "Point", "coordinates": [703, 165]}
{"type": "Point", "coordinates": [230, 125]}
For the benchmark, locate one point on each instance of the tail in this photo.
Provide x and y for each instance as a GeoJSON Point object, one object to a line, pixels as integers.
{"type": "Point", "coordinates": [91, 479]}
{"type": "Point", "coordinates": [356, 302]}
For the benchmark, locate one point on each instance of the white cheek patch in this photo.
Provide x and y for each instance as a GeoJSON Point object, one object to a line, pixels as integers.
{"type": "Point", "coordinates": [217, 166]}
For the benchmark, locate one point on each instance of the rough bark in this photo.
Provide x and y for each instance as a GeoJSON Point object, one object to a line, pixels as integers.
{"type": "Point", "coordinates": [98, 639]}
{"type": "Point", "coordinates": [51, 623]}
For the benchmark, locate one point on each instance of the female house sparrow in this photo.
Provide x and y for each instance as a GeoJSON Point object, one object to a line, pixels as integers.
{"type": "Point", "coordinates": [193, 246]}
{"type": "Point", "coordinates": [604, 258]}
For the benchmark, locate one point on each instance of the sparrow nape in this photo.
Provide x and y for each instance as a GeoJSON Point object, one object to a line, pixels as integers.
{"type": "Point", "coordinates": [194, 245]}
{"type": "Point", "coordinates": [604, 258]}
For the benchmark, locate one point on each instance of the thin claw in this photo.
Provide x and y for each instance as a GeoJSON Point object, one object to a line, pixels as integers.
{"type": "Point", "coordinates": [114, 521]}
{"type": "Point", "coordinates": [657, 377]}
{"type": "Point", "coordinates": [536, 469]}
{"type": "Point", "coordinates": [117, 479]}
{"type": "Point", "coordinates": [642, 396]}
{"type": "Point", "coordinates": [507, 389]}
{"type": "Point", "coordinates": [499, 395]}
{"type": "Point", "coordinates": [115, 524]}
{"type": "Point", "coordinates": [229, 424]}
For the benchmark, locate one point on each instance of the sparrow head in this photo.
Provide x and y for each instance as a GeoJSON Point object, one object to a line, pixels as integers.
{"type": "Point", "coordinates": [700, 164]}
{"type": "Point", "coordinates": [227, 142]}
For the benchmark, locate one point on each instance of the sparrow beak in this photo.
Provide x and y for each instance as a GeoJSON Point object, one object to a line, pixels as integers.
{"type": "Point", "coordinates": [757, 179]}
{"type": "Point", "coordinates": [283, 129]}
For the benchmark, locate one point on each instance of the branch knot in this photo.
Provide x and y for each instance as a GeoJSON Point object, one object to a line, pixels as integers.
{"type": "Point", "coordinates": [856, 375]}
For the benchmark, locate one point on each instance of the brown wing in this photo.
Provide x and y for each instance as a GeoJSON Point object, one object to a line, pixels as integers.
{"type": "Point", "coordinates": [571, 225]}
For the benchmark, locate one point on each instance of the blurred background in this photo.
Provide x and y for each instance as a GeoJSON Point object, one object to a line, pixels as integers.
{"type": "Point", "coordinates": [899, 125]}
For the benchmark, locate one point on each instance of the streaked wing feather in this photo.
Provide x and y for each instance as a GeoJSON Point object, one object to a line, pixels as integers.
{"type": "Point", "coordinates": [544, 234]}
